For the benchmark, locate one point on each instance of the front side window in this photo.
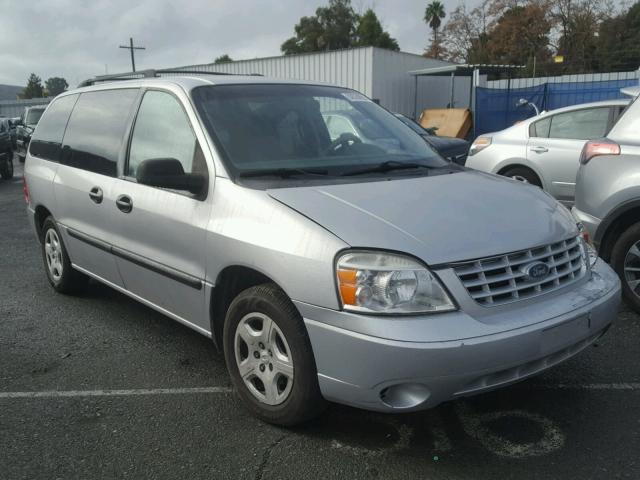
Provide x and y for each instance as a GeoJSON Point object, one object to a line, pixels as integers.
{"type": "Point", "coordinates": [95, 131]}
{"type": "Point", "coordinates": [301, 128]}
{"type": "Point", "coordinates": [163, 130]}
{"type": "Point", "coordinates": [584, 124]}
{"type": "Point", "coordinates": [47, 138]}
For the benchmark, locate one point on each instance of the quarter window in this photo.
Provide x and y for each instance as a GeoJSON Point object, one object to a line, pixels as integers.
{"type": "Point", "coordinates": [94, 135]}
{"type": "Point", "coordinates": [47, 138]}
{"type": "Point", "coordinates": [162, 130]}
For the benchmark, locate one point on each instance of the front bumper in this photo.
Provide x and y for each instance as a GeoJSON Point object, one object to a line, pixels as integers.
{"type": "Point", "coordinates": [380, 374]}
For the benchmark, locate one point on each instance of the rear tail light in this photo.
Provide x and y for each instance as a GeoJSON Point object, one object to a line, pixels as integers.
{"type": "Point", "coordinates": [595, 148]}
{"type": "Point", "coordinates": [25, 190]}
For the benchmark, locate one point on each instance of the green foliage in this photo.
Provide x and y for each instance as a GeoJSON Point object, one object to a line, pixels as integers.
{"type": "Point", "coordinates": [371, 34]}
{"type": "Point", "coordinates": [223, 59]}
{"type": "Point", "coordinates": [34, 88]}
{"type": "Point", "coordinates": [337, 26]}
{"type": "Point", "coordinates": [433, 15]}
{"type": "Point", "coordinates": [55, 86]}
{"type": "Point", "coordinates": [619, 41]}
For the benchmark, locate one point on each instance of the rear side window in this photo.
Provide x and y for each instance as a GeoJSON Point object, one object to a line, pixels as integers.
{"type": "Point", "coordinates": [47, 139]}
{"type": "Point", "coordinates": [580, 125]}
{"type": "Point", "coordinates": [94, 135]}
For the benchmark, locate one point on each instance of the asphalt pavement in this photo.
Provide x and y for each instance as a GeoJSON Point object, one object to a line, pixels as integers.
{"type": "Point", "coordinates": [99, 386]}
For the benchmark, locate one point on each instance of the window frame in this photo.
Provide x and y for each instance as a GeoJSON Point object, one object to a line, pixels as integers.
{"type": "Point", "coordinates": [123, 167]}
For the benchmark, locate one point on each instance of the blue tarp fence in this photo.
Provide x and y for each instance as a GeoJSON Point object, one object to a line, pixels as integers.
{"type": "Point", "coordinates": [496, 108]}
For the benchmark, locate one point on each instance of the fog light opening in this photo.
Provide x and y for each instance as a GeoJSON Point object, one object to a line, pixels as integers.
{"type": "Point", "coordinates": [404, 395]}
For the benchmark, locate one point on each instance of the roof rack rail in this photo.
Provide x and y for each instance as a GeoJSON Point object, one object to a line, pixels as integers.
{"type": "Point", "coordinates": [152, 73]}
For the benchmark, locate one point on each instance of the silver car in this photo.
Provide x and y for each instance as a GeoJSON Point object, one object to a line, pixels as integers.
{"type": "Point", "coordinates": [608, 197]}
{"type": "Point", "coordinates": [375, 275]}
{"type": "Point", "coordinates": [545, 150]}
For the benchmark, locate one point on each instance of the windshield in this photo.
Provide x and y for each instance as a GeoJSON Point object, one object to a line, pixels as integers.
{"type": "Point", "coordinates": [308, 130]}
{"type": "Point", "coordinates": [33, 116]}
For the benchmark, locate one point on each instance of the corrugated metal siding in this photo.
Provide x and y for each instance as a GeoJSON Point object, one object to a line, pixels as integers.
{"type": "Point", "coordinates": [579, 78]}
{"type": "Point", "coordinates": [346, 68]}
{"type": "Point", "coordinates": [15, 108]}
{"type": "Point", "coordinates": [395, 88]}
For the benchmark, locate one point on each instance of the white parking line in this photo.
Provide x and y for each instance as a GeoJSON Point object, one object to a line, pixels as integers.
{"type": "Point", "coordinates": [115, 393]}
{"type": "Point", "coordinates": [212, 390]}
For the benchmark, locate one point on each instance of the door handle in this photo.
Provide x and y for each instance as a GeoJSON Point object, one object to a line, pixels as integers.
{"type": "Point", "coordinates": [95, 194]}
{"type": "Point", "coordinates": [124, 203]}
{"type": "Point", "coordinates": [539, 149]}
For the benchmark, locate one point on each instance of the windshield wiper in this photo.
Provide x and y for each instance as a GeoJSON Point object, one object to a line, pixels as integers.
{"type": "Point", "coordinates": [283, 172]}
{"type": "Point", "coordinates": [387, 167]}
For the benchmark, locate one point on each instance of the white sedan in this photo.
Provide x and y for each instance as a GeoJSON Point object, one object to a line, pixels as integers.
{"type": "Point", "coordinates": [545, 150]}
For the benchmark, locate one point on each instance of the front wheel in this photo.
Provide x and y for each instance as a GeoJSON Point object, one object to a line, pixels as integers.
{"type": "Point", "coordinates": [269, 357]}
{"type": "Point", "coordinates": [625, 260]}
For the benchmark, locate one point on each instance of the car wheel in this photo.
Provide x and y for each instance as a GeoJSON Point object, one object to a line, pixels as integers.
{"type": "Point", "coordinates": [61, 275]}
{"type": "Point", "coordinates": [523, 174]}
{"type": "Point", "coordinates": [625, 260]}
{"type": "Point", "coordinates": [269, 357]}
{"type": "Point", "coordinates": [7, 168]}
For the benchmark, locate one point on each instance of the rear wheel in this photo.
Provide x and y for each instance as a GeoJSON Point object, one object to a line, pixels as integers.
{"type": "Point", "coordinates": [523, 174]}
{"type": "Point", "coordinates": [625, 259]}
{"type": "Point", "coordinates": [61, 275]}
{"type": "Point", "coordinates": [269, 357]}
{"type": "Point", "coordinates": [7, 166]}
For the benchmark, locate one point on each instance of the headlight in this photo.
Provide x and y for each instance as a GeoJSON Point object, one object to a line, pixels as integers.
{"type": "Point", "coordinates": [379, 282]}
{"type": "Point", "coordinates": [479, 144]}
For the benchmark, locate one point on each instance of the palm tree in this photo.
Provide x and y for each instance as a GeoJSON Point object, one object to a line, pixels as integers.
{"type": "Point", "coordinates": [433, 16]}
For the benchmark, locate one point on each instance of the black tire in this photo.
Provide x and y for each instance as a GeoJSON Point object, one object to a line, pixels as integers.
{"type": "Point", "coordinates": [618, 255]}
{"type": "Point", "coordinates": [7, 167]}
{"type": "Point", "coordinates": [70, 280]}
{"type": "Point", "coordinates": [304, 401]}
{"type": "Point", "coordinates": [523, 173]}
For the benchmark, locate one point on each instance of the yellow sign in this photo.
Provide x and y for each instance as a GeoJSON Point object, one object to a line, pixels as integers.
{"type": "Point", "coordinates": [558, 58]}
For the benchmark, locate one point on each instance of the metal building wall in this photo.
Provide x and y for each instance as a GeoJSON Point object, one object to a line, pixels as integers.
{"type": "Point", "coordinates": [350, 68]}
{"type": "Point", "coordinates": [15, 108]}
{"type": "Point", "coordinates": [395, 89]}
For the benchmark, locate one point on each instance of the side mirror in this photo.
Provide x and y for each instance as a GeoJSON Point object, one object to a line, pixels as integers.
{"type": "Point", "coordinates": [168, 173]}
{"type": "Point", "coordinates": [522, 102]}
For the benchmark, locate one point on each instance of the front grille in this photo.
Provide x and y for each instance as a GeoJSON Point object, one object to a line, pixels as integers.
{"type": "Point", "coordinates": [498, 280]}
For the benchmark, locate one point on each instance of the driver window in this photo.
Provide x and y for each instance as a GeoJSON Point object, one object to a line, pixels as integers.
{"type": "Point", "coordinates": [338, 125]}
{"type": "Point", "coordinates": [162, 130]}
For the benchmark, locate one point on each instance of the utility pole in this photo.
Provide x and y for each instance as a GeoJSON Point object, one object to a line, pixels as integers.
{"type": "Point", "coordinates": [131, 48]}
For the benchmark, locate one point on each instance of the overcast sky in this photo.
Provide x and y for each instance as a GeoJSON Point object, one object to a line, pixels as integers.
{"type": "Point", "coordinates": [78, 39]}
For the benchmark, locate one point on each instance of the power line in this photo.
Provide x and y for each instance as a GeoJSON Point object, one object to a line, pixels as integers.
{"type": "Point", "coordinates": [131, 48]}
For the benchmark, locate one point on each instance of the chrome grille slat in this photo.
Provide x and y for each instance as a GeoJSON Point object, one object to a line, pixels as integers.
{"type": "Point", "coordinates": [501, 279]}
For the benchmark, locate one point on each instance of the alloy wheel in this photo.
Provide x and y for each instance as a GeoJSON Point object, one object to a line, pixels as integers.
{"type": "Point", "coordinates": [53, 253]}
{"type": "Point", "coordinates": [263, 358]}
{"type": "Point", "coordinates": [632, 268]}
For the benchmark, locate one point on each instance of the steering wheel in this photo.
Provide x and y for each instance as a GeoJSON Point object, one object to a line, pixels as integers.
{"type": "Point", "coordinates": [344, 140]}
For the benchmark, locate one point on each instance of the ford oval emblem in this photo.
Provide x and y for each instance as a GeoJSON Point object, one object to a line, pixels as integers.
{"type": "Point", "coordinates": [535, 271]}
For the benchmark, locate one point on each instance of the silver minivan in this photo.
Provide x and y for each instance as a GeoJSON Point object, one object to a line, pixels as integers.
{"type": "Point", "coordinates": [375, 275]}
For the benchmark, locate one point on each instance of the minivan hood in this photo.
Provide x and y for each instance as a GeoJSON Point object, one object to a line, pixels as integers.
{"type": "Point", "coordinates": [440, 219]}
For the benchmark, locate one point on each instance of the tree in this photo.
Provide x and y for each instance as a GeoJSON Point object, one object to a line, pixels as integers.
{"type": "Point", "coordinates": [619, 41]}
{"type": "Point", "coordinates": [465, 35]}
{"type": "Point", "coordinates": [55, 86]}
{"type": "Point", "coordinates": [223, 59]}
{"type": "Point", "coordinates": [519, 34]}
{"type": "Point", "coordinates": [371, 34]}
{"type": "Point", "coordinates": [34, 87]}
{"type": "Point", "coordinates": [433, 16]}
{"type": "Point", "coordinates": [333, 27]}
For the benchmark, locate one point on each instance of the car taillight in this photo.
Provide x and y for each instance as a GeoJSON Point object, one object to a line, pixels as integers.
{"type": "Point", "coordinates": [25, 190]}
{"type": "Point", "coordinates": [595, 148]}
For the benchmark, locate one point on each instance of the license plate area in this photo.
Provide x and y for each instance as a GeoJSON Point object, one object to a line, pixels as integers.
{"type": "Point", "coordinates": [560, 336]}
